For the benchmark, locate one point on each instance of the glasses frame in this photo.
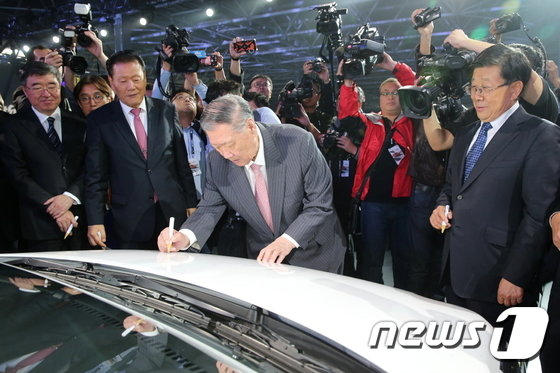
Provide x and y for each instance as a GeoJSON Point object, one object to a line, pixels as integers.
{"type": "Point", "coordinates": [483, 91]}
{"type": "Point", "coordinates": [89, 99]}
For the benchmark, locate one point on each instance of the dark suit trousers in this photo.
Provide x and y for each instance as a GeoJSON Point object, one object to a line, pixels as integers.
{"type": "Point", "coordinates": [550, 359]}
{"type": "Point", "coordinates": [74, 242]}
{"type": "Point", "coordinates": [154, 220]}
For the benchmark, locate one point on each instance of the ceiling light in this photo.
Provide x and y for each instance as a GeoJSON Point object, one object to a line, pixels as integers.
{"type": "Point", "coordinates": [209, 12]}
{"type": "Point", "coordinates": [143, 21]}
{"type": "Point", "coordinates": [56, 39]}
{"type": "Point", "coordinates": [103, 33]}
{"type": "Point", "coordinates": [26, 48]}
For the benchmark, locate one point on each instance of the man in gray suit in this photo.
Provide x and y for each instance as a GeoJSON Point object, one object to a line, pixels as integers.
{"type": "Point", "coordinates": [276, 179]}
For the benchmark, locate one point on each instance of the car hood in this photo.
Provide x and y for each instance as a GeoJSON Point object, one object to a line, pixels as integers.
{"type": "Point", "coordinates": [338, 308]}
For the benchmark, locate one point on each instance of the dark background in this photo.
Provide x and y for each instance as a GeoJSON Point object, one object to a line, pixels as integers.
{"type": "Point", "coordinates": [285, 30]}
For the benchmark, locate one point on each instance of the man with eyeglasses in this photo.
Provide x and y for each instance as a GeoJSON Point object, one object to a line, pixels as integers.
{"type": "Point", "coordinates": [43, 151]}
{"type": "Point", "coordinates": [382, 181]}
{"type": "Point", "coordinates": [502, 177]}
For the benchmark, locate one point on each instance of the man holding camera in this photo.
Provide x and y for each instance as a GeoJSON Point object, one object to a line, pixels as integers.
{"type": "Point", "coordinates": [382, 182]}
{"type": "Point", "coordinates": [136, 146]}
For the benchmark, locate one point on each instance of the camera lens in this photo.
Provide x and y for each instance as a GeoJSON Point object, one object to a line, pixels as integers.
{"type": "Point", "coordinates": [84, 40]}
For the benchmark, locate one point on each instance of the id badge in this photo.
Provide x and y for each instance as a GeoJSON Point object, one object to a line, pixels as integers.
{"type": "Point", "coordinates": [396, 153]}
{"type": "Point", "coordinates": [344, 167]}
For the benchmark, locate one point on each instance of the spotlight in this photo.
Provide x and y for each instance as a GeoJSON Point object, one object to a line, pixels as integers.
{"type": "Point", "coordinates": [143, 21]}
{"type": "Point", "coordinates": [269, 1]}
{"type": "Point", "coordinates": [56, 39]}
{"type": "Point", "coordinates": [103, 33]}
{"type": "Point", "coordinates": [26, 48]}
{"type": "Point", "coordinates": [209, 12]}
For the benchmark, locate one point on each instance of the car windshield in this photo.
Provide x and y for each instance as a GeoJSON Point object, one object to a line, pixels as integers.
{"type": "Point", "coordinates": [75, 323]}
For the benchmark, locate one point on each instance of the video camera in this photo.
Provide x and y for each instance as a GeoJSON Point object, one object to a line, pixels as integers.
{"type": "Point", "coordinates": [181, 60]}
{"type": "Point", "coordinates": [508, 22]}
{"type": "Point", "coordinates": [290, 96]}
{"type": "Point", "coordinates": [446, 76]}
{"type": "Point", "coordinates": [362, 52]}
{"type": "Point", "coordinates": [328, 19]}
{"type": "Point", "coordinates": [84, 14]}
{"type": "Point", "coordinates": [77, 64]}
{"type": "Point", "coordinates": [426, 16]}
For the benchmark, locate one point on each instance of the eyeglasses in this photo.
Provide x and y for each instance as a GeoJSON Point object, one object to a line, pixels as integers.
{"type": "Point", "coordinates": [483, 91]}
{"type": "Point", "coordinates": [184, 97]}
{"type": "Point", "coordinates": [98, 97]}
{"type": "Point", "coordinates": [261, 85]}
{"type": "Point", "coordinates": [51, 88]}
{"type": "Point", "coordinates": [394, 93]}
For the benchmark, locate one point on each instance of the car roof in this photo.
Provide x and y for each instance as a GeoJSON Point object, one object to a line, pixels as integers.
{"type": "Point", "coordinates": [339, 308]}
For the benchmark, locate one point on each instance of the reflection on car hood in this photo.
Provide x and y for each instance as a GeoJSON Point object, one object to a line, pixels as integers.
{"type": "Point", "coordinates": [340, 308]}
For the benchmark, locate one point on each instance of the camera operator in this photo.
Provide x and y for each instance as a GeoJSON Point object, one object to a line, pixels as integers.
{"type": "Point", "coordinates": [191, 79]}
{"type": "Point", "coordinates": [383, 162]}
{"type": "Point", "coordinates": [537, 98]}
{"type": "Point", "coordinates": [318, 66]}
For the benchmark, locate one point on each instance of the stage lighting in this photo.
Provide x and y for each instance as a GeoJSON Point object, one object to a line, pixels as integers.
{"type": "Point", "coordinates": [26, 48]}
{"type": "Point", "coordinates": [209, 12]}
{"type": "Point", "coordinates": [143, 21]}
{"type": "Point", "coordinates": [56, 39]}
{"type": "Point", "coordinates": [103, 33]}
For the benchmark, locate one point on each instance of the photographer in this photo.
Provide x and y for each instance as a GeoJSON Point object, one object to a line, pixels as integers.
{"type": "Point", "coordinates": [319, 67]}
{"type": "Point", "coordinates": [382, 179]}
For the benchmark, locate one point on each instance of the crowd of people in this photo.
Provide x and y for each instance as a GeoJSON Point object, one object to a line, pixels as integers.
{"type": "Point", "coordinates": [468, 207]}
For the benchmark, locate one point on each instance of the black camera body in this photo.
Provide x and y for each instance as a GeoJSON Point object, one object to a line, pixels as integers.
{"type": "Point", "coordinates": [328, 19]}
{"type": "Point", "coordinates": [426, 16]}
{"type": "Point", "coordinates": [446, 76]}
{"type": "Point", "coordinates": [77, 64]}
{"type": "Point", "coordinates": [181, 61]}
{"type": "Point", "coordinates": [317, 65]}
{"type": "Point", "coordinates": [507, 23]}
{"type": "Point", "coordinates": [363, 51]}
{"type": "Point", "coordinates": [290, 96]}
{"type": "Point", "coordinates": [329, 141]}
{"type": "Point", "coordinates": [84, 14]}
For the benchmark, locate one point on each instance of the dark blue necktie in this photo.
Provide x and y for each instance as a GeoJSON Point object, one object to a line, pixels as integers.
{"type": "Point", "coordinates": [476, 149]}
{"type": "Point", "coordinates": [53, 136]}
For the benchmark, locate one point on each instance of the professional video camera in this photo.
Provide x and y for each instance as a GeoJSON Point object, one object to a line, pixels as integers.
{"type": "Point", "coordinates": [445, 75]}
{"type": "Point", "coordinates": [182, 61]}
{"type": "Point", "coordinates": [329, 20]}
{"type": "Point", "coordinates": [365, 49]}
{"type": "Point", "coordinates": [77, 64]}
{"type": "Point", "coordinates": [84, 14]}
{"type": "Point", "coordinates": [290, 96]}
{"type": "Point", "coordinates": [508, 22]}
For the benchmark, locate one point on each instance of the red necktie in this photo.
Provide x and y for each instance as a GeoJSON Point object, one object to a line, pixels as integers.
{"type": "Point", "coordinates": [141, 137]}
{"type": "Point", "coordinates": [33, 358]}
{"type": "Point", "coordinates": [261, 195]}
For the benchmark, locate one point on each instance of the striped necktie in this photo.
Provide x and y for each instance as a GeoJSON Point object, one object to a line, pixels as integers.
{"type": "Point", "coordinates": [53, 136]}
{"type": "Point", "coordinates": [476, 149]}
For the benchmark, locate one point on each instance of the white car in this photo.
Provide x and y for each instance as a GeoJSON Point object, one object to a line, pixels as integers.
{"type": "Point", "coordinates": [216, 313]}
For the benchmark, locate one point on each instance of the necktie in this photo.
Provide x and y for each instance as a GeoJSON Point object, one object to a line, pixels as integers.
{"type": "Point", "coordinates": [53, 136]}
{"type": "Point", "coordinates": [261, 195]}
{"type": "Point", "coordinates": [141, 137]}
{"type": "Point", "coordinates": [33, 359]}
{"type": "Point", "coordinates": [476, 149]}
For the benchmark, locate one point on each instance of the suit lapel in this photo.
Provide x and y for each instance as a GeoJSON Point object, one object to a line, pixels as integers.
{"type": "Point", "coordinates": [275, 172]}
{"type": "Point", "coordinates": [32, 124]}
{"type": "Point", "coordinates": [122, 126]}
{"type": "Point", "coordinates": [155, 130]}
{"type": "Point", "coordinates": [507, 133]}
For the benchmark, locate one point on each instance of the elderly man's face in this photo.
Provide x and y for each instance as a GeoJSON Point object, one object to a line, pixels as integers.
{"type": "Point", "coordinates": [43, 92]}
{"type": "Point", "coordinates": [239, 147]}
{"type": "Point", "coordinates": [490, 94]}
{"type": "Point", "coordinates": [129, 83]}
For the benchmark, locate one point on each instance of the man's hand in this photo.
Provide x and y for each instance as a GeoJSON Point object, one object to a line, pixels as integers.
{"type": "Point", "coordinates": [96, 47]}
{"type": "Point", "coordinates": [438, 218]}
{"type": "Point", "coordinates": [555, 224]}
{"type": "Point", "coordinates": [509, 294]}
{"type": "Point", "coordinates": [192, 80]}
{"type": "Point", "coordinates": [96, 235]}
{"type": "Point", "coordinates": [276, 251]}
{"type": "Point", "coordinates": [458, 39]}
{"type": "Point", "coordinates": [65, 221]}
{"type": "Point", "coordinates": [140, 325]}
{"type": "Point", "coordinates": [232, 52]}
{"type": "Point", "coordinates": [323, 74]}
{"type": "Point", "coordinates": [388, 63]}
{"type": "Point", "coordinates": [26, 283]}
{"type": "Point", "coordinates": [169, 245]}
{"type": "Point", "coordinates": [494, 31]}
{"type": "Point", "coordinates": [53, 58]}
{"type": "Point", "coordinates": [58, 205]}
{"type": "Point", "coordinates": [168, 51]}
{"type": "Point", "coordinates": [344, 142]}
{"type": "Point", "coordinates": [553, 76]}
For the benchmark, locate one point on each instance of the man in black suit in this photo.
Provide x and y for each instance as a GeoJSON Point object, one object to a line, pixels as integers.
{"type": "Point", "coordinates": [43, 151]}
{"type": "Point", "coordinates": [502, 178]}
{"type": "Point", "coordinates": [135, 145]}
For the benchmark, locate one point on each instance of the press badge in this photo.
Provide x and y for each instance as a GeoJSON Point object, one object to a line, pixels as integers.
{"type": "Point", "coordinates": [396, 153]}
{"type": "Point", "coordinates": [344, 167]}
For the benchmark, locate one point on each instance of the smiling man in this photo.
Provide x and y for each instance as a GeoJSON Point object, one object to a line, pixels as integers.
{"type": "Point", "coordinates": [136, 146]}
{"type": "Point", "coordinates": [43, 151]}
{"type": "Point", "coordinates": [502, 177]}
{"type": "Point", "coordinates": [275, 177]}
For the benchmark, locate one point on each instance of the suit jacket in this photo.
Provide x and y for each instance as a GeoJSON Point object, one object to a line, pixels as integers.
{"type": "Point", "coordinates": [300, 194]}
{"type": "Point", "coordinates": [38, 173]}
{"type": "Point", "coordinates": [500, 212]}
{"type": "Point", "coordinates": [114, 158]}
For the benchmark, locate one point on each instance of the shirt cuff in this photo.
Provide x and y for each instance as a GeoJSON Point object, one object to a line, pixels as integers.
{"type": "Point", "coordinates": [29, 290]}
{"type": "Point", "coordinates": [153, 333]}
{"type": "Point", "coordinates": [76, 200]}
{"type": "Point", "coordinates": [192, 238]}
{"type": "Point", "coordinates": [294, 242]}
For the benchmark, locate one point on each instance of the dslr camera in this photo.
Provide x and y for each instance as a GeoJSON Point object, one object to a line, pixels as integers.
{"type": "Point", "coordinates": [77, 64]}
{"type": "Point", "coordinates": [362, 52]}
{"type": "Point", "coordinates": [84, 14]}
{"type": "Point", "coordinates": [446, 76]}
{"type": "Point", "coordinates": [290, 96]}
{"type": "Point", "coordinates": [181, 60]}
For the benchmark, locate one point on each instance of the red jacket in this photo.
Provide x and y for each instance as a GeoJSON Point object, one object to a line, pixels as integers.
{"type": "Point", "coordinates": [375, 135]}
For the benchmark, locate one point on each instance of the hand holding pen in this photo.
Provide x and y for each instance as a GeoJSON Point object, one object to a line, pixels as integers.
{"type": "Point", "coordinates": [440, 218]}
